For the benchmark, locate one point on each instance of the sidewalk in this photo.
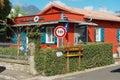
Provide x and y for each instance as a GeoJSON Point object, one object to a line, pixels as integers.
{"type": "Point", "coordinates": [15, 75]}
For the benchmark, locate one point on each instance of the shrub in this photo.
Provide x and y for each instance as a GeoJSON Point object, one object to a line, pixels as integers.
{"type": "Point", "coordinates": [12, 53]}
{"type": "Point", "coordinates": [95, 55]}
{"type": "Point", "coordinates": [8, 52]}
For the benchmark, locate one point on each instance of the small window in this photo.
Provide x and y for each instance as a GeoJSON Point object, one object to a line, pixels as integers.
{"type": "Point", "coordinates": [99, 34]}
{"type": "Point", "coordinates": [49, 35]}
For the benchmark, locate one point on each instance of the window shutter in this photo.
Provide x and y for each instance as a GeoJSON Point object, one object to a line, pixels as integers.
{"type": "Point", "coordinates": [23, 39]}
{"type": "Point", "coordinates": [118, 35]}
{"type": "Point", "coordinates": [43, 38]}
{"type": "Point", "coordinates": [102, 34]}
{"type": "Point", "coordinates": [55, 39]}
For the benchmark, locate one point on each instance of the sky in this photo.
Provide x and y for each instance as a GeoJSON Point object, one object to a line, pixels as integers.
{"type": "Point", "coordinates": [97, 5]}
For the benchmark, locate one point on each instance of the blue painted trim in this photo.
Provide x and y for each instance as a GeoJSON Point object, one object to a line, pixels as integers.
{"type": "Point", "coordinates": [118, 35]}
{"type": "Point", "coordinates": [14, 36]}
{"type": "Point", "coordinates": [102, 34]}
{"type": "Point", "coordinates": [43, 38]}
{"type": "Point", "coordinates": [23, 39]}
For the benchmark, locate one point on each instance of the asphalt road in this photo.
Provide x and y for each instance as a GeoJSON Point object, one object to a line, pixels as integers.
{"type": "Point", "coordinates": [2, 79]}
{"type": "Point", "coordinates": [111, 73]}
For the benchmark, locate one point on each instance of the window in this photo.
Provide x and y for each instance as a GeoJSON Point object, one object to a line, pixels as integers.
{"type": "Point", "coordinates": [49, 35]}
{"type": "Point", "coordinates": [99, 34]}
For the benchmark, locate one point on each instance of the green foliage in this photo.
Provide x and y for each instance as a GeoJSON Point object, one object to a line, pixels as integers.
{"type": "Point", "coordinates": [34, 36]}
{"type": "Point", "coordinates": [94, 55]}
{"type": "Point", "coordinates": [3, 31]}
{"type": "Point", "coordinates": [12, 53]}
{"type": "Point", "coordinates": [98, 54]}
{"type": "Point", "coordinates": [47, 63]}
{"type": "Point", "coordinates": [15, 12]}
{"type": "Point", "coordinates": [5, 7]}
{"type": "Point", "coordinates": [4, 12]}
{"type": "Point", "coordinates": [33, 33]}
{"type": "Point", "coordinates": [8, 52]}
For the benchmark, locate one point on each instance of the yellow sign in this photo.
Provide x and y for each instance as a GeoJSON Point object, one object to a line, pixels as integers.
{"type": "Point", "coordinates": [72, 55]}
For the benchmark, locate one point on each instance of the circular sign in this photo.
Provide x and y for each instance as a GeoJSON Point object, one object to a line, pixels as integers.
{"type": "Point", "coordinates": [60, 32]}
{"type": "Point", "coordinates": [36, 18]}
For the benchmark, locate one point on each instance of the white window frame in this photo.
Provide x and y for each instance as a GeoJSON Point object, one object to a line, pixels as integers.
{"type": "Point", "coordinates": [51, 36]}
{"type": "Point", "coordinates": [98, 34]}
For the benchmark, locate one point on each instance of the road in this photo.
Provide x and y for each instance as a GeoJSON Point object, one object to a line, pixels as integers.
{"type": "Point", "coordinates": [111, 73]}
{"type": "Point", "coordinates": [2, 79]}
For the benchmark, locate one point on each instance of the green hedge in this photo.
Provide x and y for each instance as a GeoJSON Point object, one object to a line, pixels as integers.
{"type": "Point", "coordinates": [12, 53]}
{"type": "Point", "coordinates": [8, 51]}
{"type": "Point", "coordinates": [95, 55]}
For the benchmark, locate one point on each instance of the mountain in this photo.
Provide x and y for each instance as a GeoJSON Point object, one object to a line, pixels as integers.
{"type": "Point", "coordinates": [30, 10]}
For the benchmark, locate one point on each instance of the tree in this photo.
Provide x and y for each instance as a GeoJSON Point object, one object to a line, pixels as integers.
{"type": "Point", "coordinates": [16, 12]}
{"type": "Point", "coordinates": [1, 4]}
{"type": "Point", "coordinates": [5, 7]}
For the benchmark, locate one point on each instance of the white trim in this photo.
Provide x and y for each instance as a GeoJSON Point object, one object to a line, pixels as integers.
{"type": "Point", "coordinates": [30, 24]}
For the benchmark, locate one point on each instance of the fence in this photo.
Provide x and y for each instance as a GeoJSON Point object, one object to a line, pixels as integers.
{"type": "Point", "coordinates": [9, 50]}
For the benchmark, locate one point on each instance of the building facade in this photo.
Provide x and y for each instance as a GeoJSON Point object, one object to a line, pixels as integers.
{"type": "Point", "coordinates": [84, 26]}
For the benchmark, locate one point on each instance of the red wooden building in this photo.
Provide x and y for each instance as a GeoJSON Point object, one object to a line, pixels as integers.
{"type": "Point", "coordinates": [83, 26]}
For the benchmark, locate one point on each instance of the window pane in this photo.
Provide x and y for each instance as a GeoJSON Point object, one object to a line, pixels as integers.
{"type": "Point", "coordinates": [98, 34]}
{"type": "Point", "coordinates": [50, 35]}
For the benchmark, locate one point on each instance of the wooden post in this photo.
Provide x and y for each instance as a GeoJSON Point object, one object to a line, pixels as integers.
{"type": "Point", "coordinates": [68, 62]}
{"type": "Point", "coordinates": [78, 62]}
{"type": "Point", "coordinates": [79, 59]}
{"type": "Point", "coordinates": [78, 55]}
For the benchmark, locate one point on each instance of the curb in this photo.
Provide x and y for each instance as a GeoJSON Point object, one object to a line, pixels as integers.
{"type": "Point", "coordinates": [74, 73]}
{"type": "Point", "coordinates": [39, 77]}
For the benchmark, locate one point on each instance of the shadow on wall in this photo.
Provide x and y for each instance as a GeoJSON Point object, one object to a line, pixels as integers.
{"type": "Point", "coordinates": [2, 68]}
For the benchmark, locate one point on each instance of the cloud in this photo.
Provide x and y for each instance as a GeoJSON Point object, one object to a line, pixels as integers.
{"type": "Point", "coordinates": [88, 8]}
{"type": "Point", "coordinates": [59, 2]}
{"type": "Point", "coordinates": [103, 9]}
{"type": "Point", "coordinates": [100, 9]}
